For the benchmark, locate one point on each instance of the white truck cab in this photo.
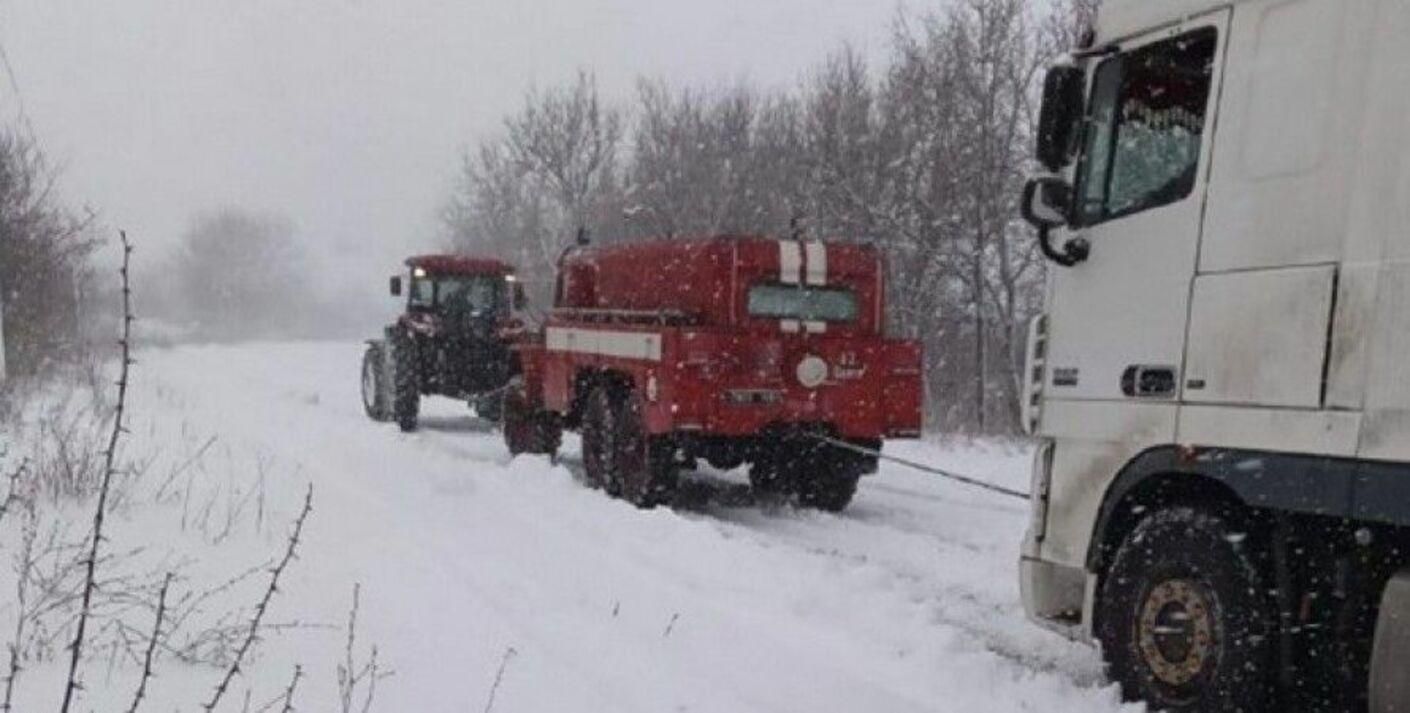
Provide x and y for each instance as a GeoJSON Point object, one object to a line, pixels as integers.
{"type": "Point", "coordinates": [1221, 377]}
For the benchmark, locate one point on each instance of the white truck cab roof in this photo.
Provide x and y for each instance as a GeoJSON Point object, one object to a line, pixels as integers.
{"type": "Point", "coordinates": [1119, 19]}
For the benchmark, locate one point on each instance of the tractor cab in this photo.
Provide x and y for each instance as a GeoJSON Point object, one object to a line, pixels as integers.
{"type": "Point", "coordinates": [452, 339]}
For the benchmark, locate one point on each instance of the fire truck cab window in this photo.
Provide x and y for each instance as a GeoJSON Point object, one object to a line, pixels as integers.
{"type": "Point", "coordinates": [808, 304]}
{"type": "Point", "coordinates": [1146, 127]}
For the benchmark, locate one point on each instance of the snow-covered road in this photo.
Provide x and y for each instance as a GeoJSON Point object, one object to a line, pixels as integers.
{"type": "Point", "coordinates": [906, 602]}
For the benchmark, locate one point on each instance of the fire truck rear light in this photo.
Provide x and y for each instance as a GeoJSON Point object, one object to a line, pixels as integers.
{"type": "Point", "coordinates": [905, 371]}
{"type": "Point", "coordinates": [753, 397]}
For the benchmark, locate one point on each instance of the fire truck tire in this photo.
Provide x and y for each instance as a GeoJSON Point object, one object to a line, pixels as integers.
{"type": "Point", "coordinates": [528, 430]}
{"type": "Point", "coordinates": [646, 470]}
{"type": "Point", "coordinates": [374, 386]}
{"type": "Point", "coordinates": [830, 479]}
{"type": "Point", "coordinates": [1183, 618]}
{"type": "Point", "coordinates": [406, 385]}
{"type": "Point", "coordinates": [769, 476]}
{"type": "Point", "coordinates": [490, 407]}
{"type": "Point", "coordinates": [600, 444]}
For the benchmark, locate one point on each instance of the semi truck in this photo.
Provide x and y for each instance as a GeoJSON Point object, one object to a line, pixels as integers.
{"type": "Point", "coordinates": [734, 350]}
{"type": "Point", "coordinates": [1219, 380]}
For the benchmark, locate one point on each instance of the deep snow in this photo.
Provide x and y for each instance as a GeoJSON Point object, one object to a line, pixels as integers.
{"type": "Point", "coordinates": [906, 602]}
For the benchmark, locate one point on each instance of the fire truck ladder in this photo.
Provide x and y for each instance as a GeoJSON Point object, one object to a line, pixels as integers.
{"type": "Point", "coordinates": [964, 479]}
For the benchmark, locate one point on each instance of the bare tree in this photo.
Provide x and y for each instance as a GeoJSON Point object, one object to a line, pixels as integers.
{"type": "Point", "coordinates": [43, 252]}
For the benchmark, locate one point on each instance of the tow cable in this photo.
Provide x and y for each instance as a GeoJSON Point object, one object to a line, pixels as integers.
{"type": "Point", "coordinates": [973, 482]}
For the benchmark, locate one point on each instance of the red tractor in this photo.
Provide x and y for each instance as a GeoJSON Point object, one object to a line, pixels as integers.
{"type": "Point", "coordinates": [732, 350]}
{"type": "Point", "coordinates": [452, 340]}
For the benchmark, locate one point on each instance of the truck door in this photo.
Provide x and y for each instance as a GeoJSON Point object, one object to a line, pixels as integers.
{"type": "Point", "coordinates": [1118, 320]}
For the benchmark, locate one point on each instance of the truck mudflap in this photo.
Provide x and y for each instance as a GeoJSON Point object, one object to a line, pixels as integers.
{"type": "Point", "coordinates": [1390, 674]}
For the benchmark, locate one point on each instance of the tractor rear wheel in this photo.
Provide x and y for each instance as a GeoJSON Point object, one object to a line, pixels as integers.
{"type": "Point", "coordinates": [406, 384]}
{"type": "Point", "coordinates": [374, 386]}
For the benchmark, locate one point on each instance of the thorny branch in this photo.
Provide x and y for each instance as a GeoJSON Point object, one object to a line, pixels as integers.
{"type": "Point", "coordinates": [151, 647]}
{"type": "Point", "coordinates": [263, 606]}
{"type": "Point", "coordinates": [109, 458]}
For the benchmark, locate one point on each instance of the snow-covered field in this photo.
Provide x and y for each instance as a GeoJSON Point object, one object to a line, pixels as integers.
{"type": "Point", "coordinates": [473, 566]}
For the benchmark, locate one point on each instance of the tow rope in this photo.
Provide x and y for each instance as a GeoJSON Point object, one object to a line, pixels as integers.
{"type": "Point", "coordinates": [973, 482]}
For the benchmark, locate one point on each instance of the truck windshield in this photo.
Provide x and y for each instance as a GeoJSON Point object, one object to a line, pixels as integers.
{"type": "Point", "coordinates": [808, 304]}
{"type": "Point", "coordinates": [479, 294]}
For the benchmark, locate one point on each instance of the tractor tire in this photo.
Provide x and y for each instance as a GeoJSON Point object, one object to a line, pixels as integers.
{"type": "Point", "coordinates": [374, 385]}
{"type": "Point", "coordinates": [1183, 616]}
{"type": "Point", "coordinates": [600, 445]}
{"type": "Point", "coordinates": [646, 470]}
{"type": "Point", "coordinates": [406, 384]}
{"type": "Point", "coordinates": [529, 430]}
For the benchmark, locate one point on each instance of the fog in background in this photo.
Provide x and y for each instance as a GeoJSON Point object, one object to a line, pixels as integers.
{"type": "Point", "coordinates": [343, 121]}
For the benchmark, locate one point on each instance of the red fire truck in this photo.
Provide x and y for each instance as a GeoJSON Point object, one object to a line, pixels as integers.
{"type": "Point", "coordinates": [733, 350]}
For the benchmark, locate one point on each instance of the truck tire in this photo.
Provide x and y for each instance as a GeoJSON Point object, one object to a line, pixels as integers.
{"type": "Point", "coordinates": [619, 456]}
{"type": "Point", "coordinates": [831, 480]}
{"type": "Point", "coordinates": [528, 430]}
{"type": "Point", "coordinates": [600, 438]}
{"type": "Point", "coordinates": [374, 386]}
{"type": "Point", "coordinates": [771, 476]}
{"type": "Point", "coordinates": [406, 384]}
{"type": "Point", "coordinates": [646, 469]}
{"type": "Point", "coordinates": [1183, 616]}
{"type": "Point", "coordinates": [490, 407]}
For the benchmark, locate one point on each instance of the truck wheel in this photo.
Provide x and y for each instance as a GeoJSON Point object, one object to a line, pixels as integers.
{"type": "Point", "coordinates": [527, 429]}
{"type": "Point", "coordinates": [490, 407]}
{"type": "Point", "coordinates": [770, 475]}
{"type": "Point", "coordinates": [1183, 618]}
{"type": "Point", "coordinates": [831, 480]}
{"type": "Point", "coordinates": [600, 439]}
{"type": "Point", "coordinates": [406, 385]}
{"type": "Point", "coordinates": [645, 470]}
{"type": "Point", "coordinates": [374, 390]}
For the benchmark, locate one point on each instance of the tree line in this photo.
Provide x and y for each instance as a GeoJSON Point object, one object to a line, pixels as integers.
{"type": "Point", "coordinates": [923, 156]}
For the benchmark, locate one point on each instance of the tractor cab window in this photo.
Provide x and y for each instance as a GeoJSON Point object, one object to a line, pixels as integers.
{"type": "Point", "coordinates": [481, 294]}
{"type": "Point", "coordinates": [1145, 127]}
{"type": "Point", "coordinates": [807, 304]}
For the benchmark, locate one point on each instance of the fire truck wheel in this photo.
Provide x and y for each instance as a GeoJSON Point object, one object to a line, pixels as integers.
{"type": "Point", "coordinates": [1183, 618]}
{"type": "Point", "coordinates": [768, 476]}
{"type": "Point", "coordinates": [406, 384]}
{"type": "Point", "coordinates": [490, 407]}
{"type": "Point", "coordinates": [646, 471]}
{"type": "Point", "coordinates": [374, 387]}
{"type": "Point", "coordinates": [600, 438]}
{"type": "Point", "coordinates": [830, 480]}
{"type": "Point", "coordinates": [526, 429]}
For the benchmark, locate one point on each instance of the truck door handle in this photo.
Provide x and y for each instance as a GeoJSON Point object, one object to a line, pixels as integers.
{"type": "Point", "coordinates": [1144, 381]}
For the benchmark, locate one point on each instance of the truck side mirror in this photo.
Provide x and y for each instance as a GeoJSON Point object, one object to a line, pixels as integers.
{"type": "Point", "coordinates": [1047, 201]}
{"type": "Point", "coordinates": [396, 285]}
{"type": "Point", "coordinates": [1061, 116]}
{"type": "Point", "coordinates": [520, 300]}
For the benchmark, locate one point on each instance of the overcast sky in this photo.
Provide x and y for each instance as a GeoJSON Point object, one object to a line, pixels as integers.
{"type": "Point", "coordinates": [347, 116]}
